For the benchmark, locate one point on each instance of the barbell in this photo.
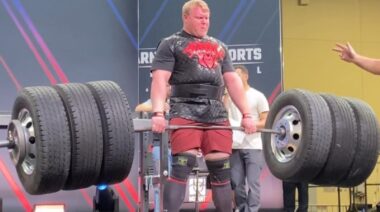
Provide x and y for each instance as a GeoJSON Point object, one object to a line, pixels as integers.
{"type": "Point", "coordinates": [10, 143]}
{"type": "Point", "coordinates": [57, 134]}
{"type": "Point", "coordinates": [145, 125]}
{"type": "Point", "coordinates": [13, 142]}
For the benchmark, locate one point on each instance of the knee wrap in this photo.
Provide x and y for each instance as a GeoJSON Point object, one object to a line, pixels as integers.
{"type": "Point", "coordinates": [182, 165]}
{"type": "Point", "coordinates": [220, 171]}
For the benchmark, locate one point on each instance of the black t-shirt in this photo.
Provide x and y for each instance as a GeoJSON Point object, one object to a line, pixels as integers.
{"type": "Point", "coordinates": [194, 60]}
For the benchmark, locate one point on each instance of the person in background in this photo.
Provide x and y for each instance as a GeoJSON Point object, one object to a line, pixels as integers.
{"type": "Point", "coordinates": [289, 195]}
{"type": "Point", "coordinates": [147, 105]}
{"type": "Point", "coordinates": [348, 54]}
{"type": "Point", "coordinates": [144, 107]}
{"type": "Point", "coordinates": [247, 158]}
{"type": "Point", "coordinates": [198, 67]}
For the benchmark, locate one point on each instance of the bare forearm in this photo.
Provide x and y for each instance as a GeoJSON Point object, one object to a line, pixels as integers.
{"type": "Point", "coordinates": [369, 64]}
{"type": "Point", "coordinates": [260, 124]}
{"type": "Point", "coordinates": [158, 96]}
{"type": "Point", "coordinates": [158, 92]}
{"type": "Point", "coordinates": [263, 118]}
{"type": "Point", "coordinates": [236, 92]}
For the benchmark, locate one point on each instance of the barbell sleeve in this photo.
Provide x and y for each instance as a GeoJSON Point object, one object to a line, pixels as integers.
{"type": "Point", "coordinates": [264, 130]}
{"type": "Point", "coordinates": [5, 143]}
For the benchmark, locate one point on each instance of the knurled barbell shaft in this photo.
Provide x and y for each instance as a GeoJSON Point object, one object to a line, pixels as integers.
{"type": "Point", "coordinates": [263, 130]}
{"type": "Point", "coordinates": [141, 125]}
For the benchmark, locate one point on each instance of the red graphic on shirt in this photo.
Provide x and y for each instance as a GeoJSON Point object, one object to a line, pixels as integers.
{"type": "Point", "coordinates": [208, 53]}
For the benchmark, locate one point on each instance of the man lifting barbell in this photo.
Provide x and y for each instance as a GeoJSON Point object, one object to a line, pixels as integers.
{"type": "Point", "coordinates": [195, 65]}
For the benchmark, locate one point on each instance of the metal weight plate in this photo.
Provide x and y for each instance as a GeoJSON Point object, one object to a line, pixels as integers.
{"type": "Point", "coordinates": [45, 165]}
{"type": "Point", "coordinates": [18, 138]}
{"type": "Point", "coordinates": [343, 146]}
{"type": "Point", "coordinates": [367, 144]}
{"type": "Point", "coordinates": [86, 135]}
{"type": "Point", "coordinates": [117, 124]}
{"type": "Point", "coordinates": [301, 153]}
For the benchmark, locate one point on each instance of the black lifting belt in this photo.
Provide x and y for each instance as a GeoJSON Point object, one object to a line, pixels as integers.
{"type": "Point", "coordinates": [198, 90]}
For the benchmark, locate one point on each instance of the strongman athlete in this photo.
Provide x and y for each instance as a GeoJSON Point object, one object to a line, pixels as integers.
{"type": "Point", "coordinates": [198, 68]}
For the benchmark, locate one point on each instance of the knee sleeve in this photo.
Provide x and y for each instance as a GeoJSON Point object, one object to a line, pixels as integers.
{"type": "Point", "coordinates": [182, 165]}
{"type": "Point", "coordinates": [220, 171]}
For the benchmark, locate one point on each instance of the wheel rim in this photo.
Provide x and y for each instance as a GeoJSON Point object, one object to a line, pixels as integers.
{"type": "Point", "coordinates": [16, 136]}
{"type": "Point", "coordinates": [284, 147]}
{"type": "Point", "coordinates": [28, 164]}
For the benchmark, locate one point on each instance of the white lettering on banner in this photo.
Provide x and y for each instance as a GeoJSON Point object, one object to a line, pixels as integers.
{"type": "Point", "coordinates": [239, 53]}
{"type": "Point", "coordinates": [258, 70]}
{"type": "Point", "coordinates": [146, 56]}
{"type": "Point", "coordinates": [245, 53]}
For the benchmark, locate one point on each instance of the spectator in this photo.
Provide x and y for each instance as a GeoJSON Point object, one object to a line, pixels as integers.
{"type": "Point", "coordinates": [348, 54]}
{"type": "Point", "coordinates": [289, 195]}
{"type": "Point", "coordinates": [247, 158]}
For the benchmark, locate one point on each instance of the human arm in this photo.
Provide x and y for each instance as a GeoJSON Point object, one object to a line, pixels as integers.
{"type": "Point", "coordinates": [162, 66]}
{"type": "Point", "coordinates": [236, 92]}
{"type": "Point", "coordinates": [262, 110]}
{"type": "Point", "coordinates": [348, 54]}
{"type": "Point", "coordinates": [262, 119]}
{"type": "Point", "coordinates": [158, 95]}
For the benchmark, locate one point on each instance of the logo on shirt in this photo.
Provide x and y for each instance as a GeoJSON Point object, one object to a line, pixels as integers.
{"type": "Point", "coordinates": [207, 53]}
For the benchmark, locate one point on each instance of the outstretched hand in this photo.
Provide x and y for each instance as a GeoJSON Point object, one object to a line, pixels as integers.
{"type": "Point", "coordinates": [346, 52]}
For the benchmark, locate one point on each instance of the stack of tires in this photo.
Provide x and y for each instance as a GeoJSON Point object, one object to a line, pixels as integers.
{"type": "Point", "coordinates": [329, 141]}
{"type": "Point", "coordinates": [77, 135]}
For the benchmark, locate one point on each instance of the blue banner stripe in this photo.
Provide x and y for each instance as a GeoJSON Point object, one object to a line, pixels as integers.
{"type": "Point", "coordinates": [122, 23]}
{"type": "Point", "coordinates": [242, 17]}
{"type": "Point", "coordinates": [153, 21]}
{"type": "Point", "coordinates": [232, 20]}
{"type": "Point", "coordinates": [269, 22]}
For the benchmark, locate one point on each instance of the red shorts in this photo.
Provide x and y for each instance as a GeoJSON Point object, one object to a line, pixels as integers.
{"type": "Point", "coordinates": [207, 140]}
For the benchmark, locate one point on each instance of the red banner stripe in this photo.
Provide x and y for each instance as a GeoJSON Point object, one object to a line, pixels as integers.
{"type": "Point", "coordinates": [86, 197]}
{"type": "Point", "coordinates": [124, 197]}
{"type": "Point", "coordinates": [15, 188]}
{"type": "Point", "coordinates": [10, 73]}
{"type": "Point", "coordinates": [275, 92]}
{"type": "Point", "coordinates": [207, 201]}
{"type": "Point", "coordinates": [29, 42]}
{"type": "Point", "coordinates": [131, 189]}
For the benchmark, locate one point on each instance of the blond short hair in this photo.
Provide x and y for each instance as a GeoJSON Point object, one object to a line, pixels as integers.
{"type": "Point", "coordinates": [193, 3]}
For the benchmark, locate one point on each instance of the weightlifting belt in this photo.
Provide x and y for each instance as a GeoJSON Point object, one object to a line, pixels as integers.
{"type": "Point", "coordinates": [198, 90]}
